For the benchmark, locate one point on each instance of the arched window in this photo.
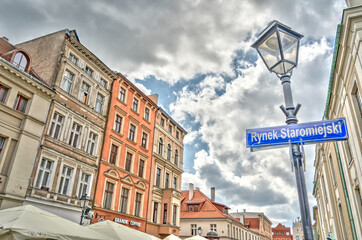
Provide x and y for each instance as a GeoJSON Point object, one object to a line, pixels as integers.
{"type": "Point", "coordinates": [176, 157]}
{"type": "Point", "coordinates": [160, 146]}
{"type": "Point", "coordinates": [20, 61]}
{"type": "Point", "coordinates": [169, 152]}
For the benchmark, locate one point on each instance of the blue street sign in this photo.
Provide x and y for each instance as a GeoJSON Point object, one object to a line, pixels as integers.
{"type": "Point", "coordinates": [306, 133]}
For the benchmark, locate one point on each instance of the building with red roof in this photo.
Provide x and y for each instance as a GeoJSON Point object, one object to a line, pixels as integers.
{"type": "Point", "coordinates": [281, 232]}
{"type": "Point", "coordinates": [198, 212]}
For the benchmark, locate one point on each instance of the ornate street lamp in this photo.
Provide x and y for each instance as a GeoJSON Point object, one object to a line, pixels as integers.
{"type": "Point", "coordinates": [85, 209]}
{"type": "Point", "coordinates": [278, 46]}
{"type": "Point", "coordinates": [199, 231]}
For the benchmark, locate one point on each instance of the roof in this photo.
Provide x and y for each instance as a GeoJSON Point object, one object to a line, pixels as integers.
{"type": "Point", "coordinates": [252, 222]}
{"type": "Point", "coordinates": [281, 227]}
{"type": "Point", "coordinates": [207, 208]}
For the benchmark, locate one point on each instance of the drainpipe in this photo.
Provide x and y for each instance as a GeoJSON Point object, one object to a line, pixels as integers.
{"type": "Point", "coordinates": [345, 192]}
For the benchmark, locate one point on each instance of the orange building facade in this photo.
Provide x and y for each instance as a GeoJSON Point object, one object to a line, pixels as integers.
{"type": "Point", "coordinates": [124, 175]}
{"type": "Point", "coordinates": [281, 232]}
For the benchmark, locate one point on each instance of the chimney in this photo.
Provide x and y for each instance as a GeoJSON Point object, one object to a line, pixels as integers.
{"type": "Point", "coordinates": [244, 210]}
{"type": "Point", "coordinates": [213, 194]}
{"type": "Point", "coordinates": [154, 98]}
{"type": "Point", "coordinates": [197, 188]}
{"type": "Point", "coordinates": [5, 38]}
{"type": "Point", "coordinates": [191, 191]}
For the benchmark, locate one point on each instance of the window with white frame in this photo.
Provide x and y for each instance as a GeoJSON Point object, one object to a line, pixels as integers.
{"type": "Point", "coordinates": [122, 94]}
{"type": "Point", "coordinates": [124, 200]}
{"type": "Point", "coordinates": [67, 81]}
{"type": "Point", "coordinates": [89, 71]}
{"type": "Point", "coordinates": [175, 182]}
{"type": "Point", "coordinates": [84, 184]}
{"type": "Point", "coordinates": [158, 177]}
{"type": "Point", "coordinates": [167, 180]}
{"type": "Point", "coordinates": [137, 209]}
{"type": "Point", "coordinates": [2, 143]}
{"type": "Point", "coordinates": [117, 123]}
{"type": "Point", "coordinates": [213, 227]}
{"type": "Point", "coordinates": [147, 114]}
{"type": "Point", "coordinates": [73, 58]}
{"type": "Point", "coordinates": [135, 105]}
{"type": "Point", "coordinates": [65, 180]}
{"type": "Point", "coordinates": [84, 93]}
{"type": "Point", "coordinates": [193, 229]}
{"type": "Point", "coordinates": [20, 103]}
{"type": "Point", "coordinates": [141, 168]}
{"type": "Point", "coordinates": [176, 157]}
{"type": "Point", "coordinates": [44, 174]}
{"type": "Point", "coordinates": [144, 140]}
{"type": "Point", "coordinates": [160, 146]}
{"type": "Point", "coordinates": [92, 143]}
{"type": "Point", "coordinates": [56, 125]}
{"type": "Point", "coordinates": [174, 216]}
{"type": "Point", "coordinates": [99, 103]}
{"type": "Point", "coordinates": [3, 93]}
{"type": "Point", "coordinates": [113, 154]}
{"type": "Point", "coordinates": [128, 163]}
{"type": "Point", "coordinates": [155, 212]}
{"type": "Point", "coordinates": [132, 132]}
{"type": "Point", "coordinates": [75, 135]}
{"type": "Point", "coordinates": [359, 100]}
{"type": "Point", "coordinates": [108, 195]}
{"type": "Point", "coordinates": [20, 61]}
{"type": "Point", "coordinates": [103, 82]}
{"type": "Point", "coordinates": [168, 152]}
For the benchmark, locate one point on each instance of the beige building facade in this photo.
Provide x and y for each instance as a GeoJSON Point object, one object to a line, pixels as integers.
{"type": "Point", "coordinates": [166, 169]}
{"type": "Point", "coordinates": [24, 104]}
{"type": "Point", "coordinates": [338, 165]}
{"type": "Point", "coordinates": [67, 163]}
{"type": "Point", "coordinates": [298, 230]}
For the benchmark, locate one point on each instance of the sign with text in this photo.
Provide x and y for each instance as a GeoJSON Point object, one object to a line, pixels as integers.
{"type": "Point", "coordinates": [306, 133]}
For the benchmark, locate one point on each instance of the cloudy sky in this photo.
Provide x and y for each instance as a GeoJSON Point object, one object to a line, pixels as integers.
{"type": "Point", "coordinates": [196, 55]}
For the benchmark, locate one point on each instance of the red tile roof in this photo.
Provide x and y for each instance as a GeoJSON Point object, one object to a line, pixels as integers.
{"type": "Point", "coordinates": [252, 222]}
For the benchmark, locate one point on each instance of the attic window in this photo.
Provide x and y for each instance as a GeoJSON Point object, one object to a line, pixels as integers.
{"type": "Point", "coordinates": [20, 61]}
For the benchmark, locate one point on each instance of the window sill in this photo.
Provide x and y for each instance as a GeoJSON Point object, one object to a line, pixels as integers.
{"type": "Point", "coordinates": [131, 141]}
{"type": "Point", "coordinates": [118, 133]}
{"type": "Point", "coordinates": [135, 112]}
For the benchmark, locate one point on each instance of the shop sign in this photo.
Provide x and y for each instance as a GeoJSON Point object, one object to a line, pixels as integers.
{"type": "Point", "coordinates": [127, 222]}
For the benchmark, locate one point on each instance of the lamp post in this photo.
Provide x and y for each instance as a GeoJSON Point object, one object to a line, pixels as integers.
{"type": "Point", "coordinates": [199, 231]}
{"type": "Point", "coordinates": [278, 46]}
{"type": "Point", "coordinates": [85, 209]}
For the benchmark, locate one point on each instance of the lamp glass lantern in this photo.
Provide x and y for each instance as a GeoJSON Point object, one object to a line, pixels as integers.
{"type": "Point", "coordinates": [278, 46]}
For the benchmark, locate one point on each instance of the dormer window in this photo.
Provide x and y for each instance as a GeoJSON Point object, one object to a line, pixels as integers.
{"type": "Point", "coordinates": [20, 61]}
{"type": "Point", "coordinates": [89, 71]}
{"type": "Point", "coordinates": [73, 58]}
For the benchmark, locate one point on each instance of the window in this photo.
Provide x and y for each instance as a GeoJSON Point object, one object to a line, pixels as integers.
{"type": "Point", "coordinates": [213, 227]}
{"type": "Point", "coordinates": [3, 93]}
{"type": "Point", "coordinates": [176, 157]}
{"type": "Point", "coordinates": [117, 123]}
{"type": "Point", "coordinates": [2, 141]}
{"type": "Point", "coordinates": [147, 114]}
{"type": "Point", "coordinates": [190, 208]}
{"type": "Point", "coordinates": [124, 200]}
{"type": "Point", "coordinates": [75, 135]}
{"type": "Point", "coordinates": [65, 180]}
{"type": "Point", "coordinates": [84, 93]}
{"type": "Point", "coordinates": [332, 171]}
{"type": "Point", "coordinates": [196, 208]}
{"type": "Point", "coordinates": [177, 135]}
{"type": "Point", "coordinates": [174, 216]}
{"type": "Point", "coordinates": [175, 183]}
{"type": "Point", "coordinates": [359, 100]}
{"type": "Point", "coordinates": [170, 128]}
{"type": "Point", "coordinates": [297, 238]}
{"type": "Point", "coordinates": [84, 184]}
{"type": "Point", "coordinates": [193, 229]}
{"type": "Point", "coordinates": [132, 131]}
{"type": "Point", "coordinates": [155, 207]}
{"type": "Point", "coordinates": [73, 58]}
{"type": "Point", "coordinates": [113, 155]}
{"type": "Point", "coordinates": [164, 213]}
{"type": "Point", "coordinates": [168, 152]}
{"type": "Point", "coordinates": [67, 81]}
{"type": "Point", "coordinates": [99, 103]}
{"type": "Point", "coordinates": [160, 146]}
{"type": "Point", "coordinates": [135, 105]}
{"type": "Point", "coordinates": [108, 193]}
{"type": "Point", "coordinates": [103, 82]}
{"type": "Point", "coordinates": [89, 71]}
{"type": "Point", "coordinates": [122, 94]}
{"type": "Point", "coordinates": [128, 162]}
{"type": "Point", "coordinates": [348, 151]}
{"type": "Point", "coordinates": [144, 140]}
{"type": "Point", "coordinates": [44, 174]}
{"type": "Point", "coordinates": [20, 103]}
{"type": "Point", "coordinates": [20, 61]}
{"type": "Point", "coordinates": [162, 122]}
{"type": "Point", "coordinates": [137, 208]}
{"type": "Point", "coordinates": [56, 125]}
{"type": "Point", "coordinates": [140, 168]}
{"type": "Point", "coordinates": [158, 177]}
{"type": "Point", "coordinates": [92, 143]}
{"type": "Point", "coordinates": [167, 180]}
